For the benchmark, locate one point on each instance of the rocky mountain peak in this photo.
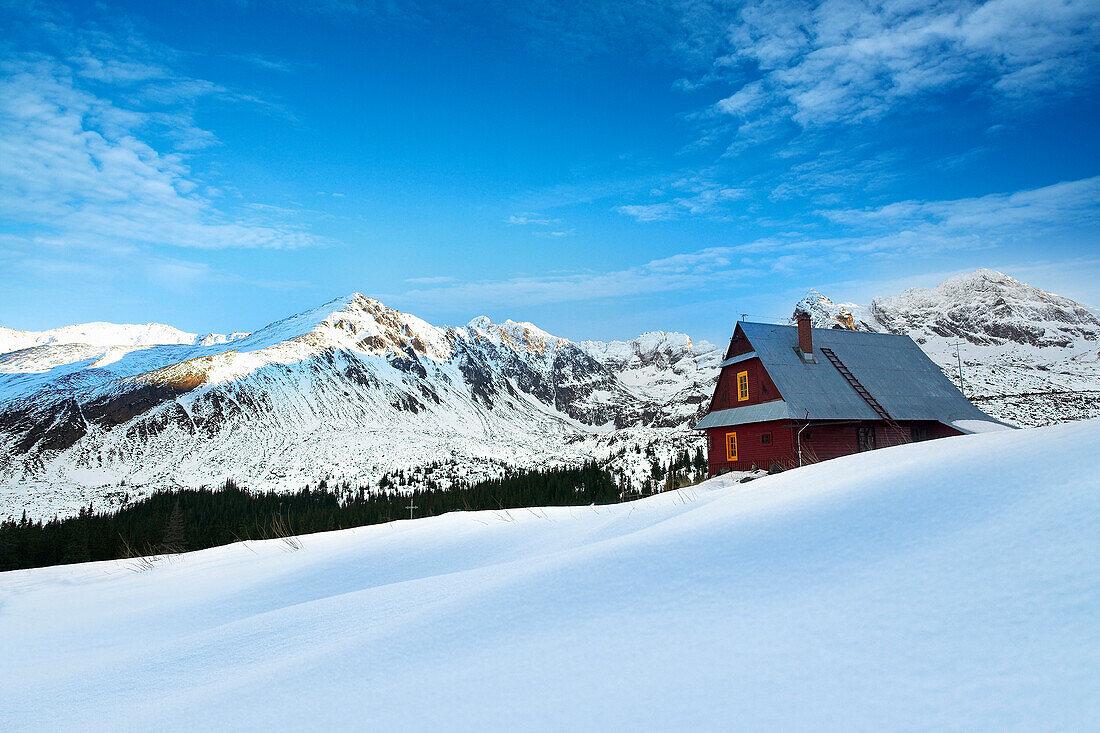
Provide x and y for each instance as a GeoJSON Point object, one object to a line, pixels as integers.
{"type": "Point", "coordinates": [986, 307]}
{"type": "Point", "coordinates": [825, 313]}
{"type": "Point", "coordinates": [1027, 355]}
{"type": "Point", "coordinates": [481, 323]}
{"type": "Point", "coordinates": [519, 336]}
{"type": "Point", "coordinates": [213, 339]}
{"type": "Point", "coordinates": [663, 341]}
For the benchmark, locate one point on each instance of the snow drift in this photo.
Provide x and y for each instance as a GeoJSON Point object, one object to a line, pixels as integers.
{"type": "Point", "coordinates": [947, 584]}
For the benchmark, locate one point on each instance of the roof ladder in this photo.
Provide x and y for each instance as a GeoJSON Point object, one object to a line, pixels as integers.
{"type": "Point", "coordinates": [858, 387]}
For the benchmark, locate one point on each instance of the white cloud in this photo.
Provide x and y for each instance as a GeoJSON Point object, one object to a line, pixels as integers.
{"type": "Point", "coordinates": [846, 61]}
{"type": "Point", "coordinates": [108, 168]}
{"type": "Point", "coordinates": [541, 225]}
{"type": "Point", "coordinates": [747, 100]}
{"type": "Point", "coordinates": [670, 274]}
{"type": "Point", "coordinates": [805, 79]}
{"type": "Point", "coordinates": [906, 228]}
{"type": "Point", "coordinates": [993, 217]}
{"type": "Point", "coordinates": [266, 63]}
{"type": "Point", "coordinates": [698, 197]}
{"type": "Point", "coordinates": [112, 272]}
{"type": "Point", "coordinates": [528, 219]}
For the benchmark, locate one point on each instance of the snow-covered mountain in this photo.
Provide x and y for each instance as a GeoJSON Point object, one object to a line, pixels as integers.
{"type": "Point", "coordinates": [108, 334]}
{"type": "Point", "coordinates": [1027, 356]}
{"type": "Point", "coordinates": [346, 391]}
{"type": "Point", "coordinates": [353, 389]}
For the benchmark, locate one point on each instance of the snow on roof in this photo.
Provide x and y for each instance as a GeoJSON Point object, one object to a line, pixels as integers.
{"type": "Point", "coordinates": [892, 368]}
{"type": "Point", "coordinates": [979, 426]}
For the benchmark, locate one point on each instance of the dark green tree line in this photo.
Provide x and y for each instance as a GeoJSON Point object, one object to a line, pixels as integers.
{"type": "Point", "coordinates": [194, 519]}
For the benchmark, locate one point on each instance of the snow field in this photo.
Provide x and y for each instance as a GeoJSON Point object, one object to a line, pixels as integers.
{"type": "Point", "coordinates": [951, 584]}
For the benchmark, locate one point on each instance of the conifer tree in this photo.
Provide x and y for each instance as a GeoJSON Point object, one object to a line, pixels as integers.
{"type": "Point", "coordinates": [174, 540]}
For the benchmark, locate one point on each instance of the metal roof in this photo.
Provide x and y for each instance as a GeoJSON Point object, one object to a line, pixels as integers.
{"type": "Point", "coordinates": [774, 410]}
{"type": "Point", "coordinates": [738, 359]}
{"type": "Point", "coordinates": [892, 368]}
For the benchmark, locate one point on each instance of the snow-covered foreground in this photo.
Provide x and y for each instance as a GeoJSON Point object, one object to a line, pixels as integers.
{"type": "Point", "coordinates": [949, 584]}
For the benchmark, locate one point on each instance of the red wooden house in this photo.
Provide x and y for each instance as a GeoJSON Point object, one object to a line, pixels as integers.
{"type": "Point", "coordinates": [789, 395]}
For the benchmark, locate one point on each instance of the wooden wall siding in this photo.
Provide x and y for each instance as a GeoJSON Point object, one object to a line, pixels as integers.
{"type": "Point", "coordinates": [910, 431]}
{"type": "Point", "coordinates": [820, 442]}
{"type": "Point", "coordinates": [761, 386]}
{"type": "Point", "coordinates": [886, 436]}
{"type": "Point", "coordinates": [750, 450]}
{"type": "Point", "coordinates": [738, 344]}
{"type": "Point", "coordinates": [833, 441]}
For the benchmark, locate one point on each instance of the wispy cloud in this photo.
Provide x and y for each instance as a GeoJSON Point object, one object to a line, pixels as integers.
{"type": "Point", "coordinates": [697, 197]}
{"type": "Point", "coordinates": [1027, 213]}
{"type": "Point", "coordinates": [166, 273]}
{"type": "Point", "coordinates": [907, 228]}
{"type": "Point", "coordinates": [663, 275]}
{"type": "Point", "coordinates": [436, 280]}
{"type": "Point", "coordinates": [791, 76]}
{"type": "Point", "coordinates": [266, 63]}
{"type": "Point", "coordinates": [822, 63]}
{"type": "Point", "coordinates": [94, 148]}
{"type": "Point", "coordinates": [542, 226]}
{"type": "Point", "coordinates": [528, 219]}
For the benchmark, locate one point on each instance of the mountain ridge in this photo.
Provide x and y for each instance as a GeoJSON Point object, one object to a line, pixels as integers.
{"type": "Point", "coordinates": [352, 389]}
{"type": "Point", "coordinates": [104, 333]}
{"type": "Point", "coordinates": [345, 390]}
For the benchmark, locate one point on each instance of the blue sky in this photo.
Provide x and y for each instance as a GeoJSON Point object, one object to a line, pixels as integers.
{"type": "Point", "coordinates": [600, 169]}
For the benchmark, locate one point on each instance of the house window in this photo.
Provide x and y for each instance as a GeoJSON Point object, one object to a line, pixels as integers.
{"type": "Point", "coordinates": [731, 446]}
{"type": "Point", "coordinates": [765, 439]}
{"type": "Point", "coordinates": [742, 386]}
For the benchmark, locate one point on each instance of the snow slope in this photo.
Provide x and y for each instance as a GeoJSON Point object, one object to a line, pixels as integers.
{"type": "Point", "coordinates": [931, 586]}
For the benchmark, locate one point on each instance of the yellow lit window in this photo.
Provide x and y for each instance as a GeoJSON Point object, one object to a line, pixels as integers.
{"type": "Point", "coordinates": [742, 386]}
{"type": "Point", "coordinates": [731, 446]}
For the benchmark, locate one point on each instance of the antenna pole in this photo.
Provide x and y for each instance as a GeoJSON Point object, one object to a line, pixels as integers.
{"type": "Point", "coordinates": [958, 356]}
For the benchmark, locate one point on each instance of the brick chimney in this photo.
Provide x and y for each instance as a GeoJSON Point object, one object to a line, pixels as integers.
{"type": "Point", "coordinates": [805, 336]}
